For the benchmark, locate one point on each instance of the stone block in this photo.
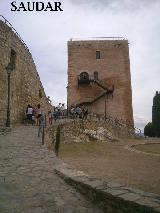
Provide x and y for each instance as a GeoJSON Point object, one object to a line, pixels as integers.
{"type": "Point", "coordinates": [131, 196]}
{"type": "Point", "coordinates": [150, 202]}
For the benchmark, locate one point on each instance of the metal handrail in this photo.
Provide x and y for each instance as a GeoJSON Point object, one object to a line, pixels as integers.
{"type": "Point", "coordinates": [120, 123]}
{"type": "Point", "coordinates": [13, 29]}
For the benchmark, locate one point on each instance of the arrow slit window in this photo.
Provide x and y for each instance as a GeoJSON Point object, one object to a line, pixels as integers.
{"type": "Point", "coordinates": [98, 54]}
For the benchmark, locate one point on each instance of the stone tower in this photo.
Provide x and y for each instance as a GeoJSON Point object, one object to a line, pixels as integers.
{"type": "Point", "coordinates": [99, 77]}
{"type": "Point", "coordinates": [25, 85]}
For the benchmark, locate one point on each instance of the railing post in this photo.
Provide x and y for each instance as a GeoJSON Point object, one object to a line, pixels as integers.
{"type": "Point", "coordinates": [45, 121]}
{"type": "Point", "coordinates": [105, 112]}
{"type": "Point", "coordinates": [43, 135]}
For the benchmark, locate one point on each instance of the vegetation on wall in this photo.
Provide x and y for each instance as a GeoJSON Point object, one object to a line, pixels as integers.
{"type": "Point", "coordinates": [40, 93]}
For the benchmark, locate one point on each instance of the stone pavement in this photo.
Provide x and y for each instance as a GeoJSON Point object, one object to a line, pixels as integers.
{"type": "Point", "coordinates": [28, 183]}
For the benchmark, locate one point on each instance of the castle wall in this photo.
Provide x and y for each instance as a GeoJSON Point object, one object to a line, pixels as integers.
{"type": "Point", "coordinates": [25, 81]}
{"type": "Point", "coordinates": [113, 69]}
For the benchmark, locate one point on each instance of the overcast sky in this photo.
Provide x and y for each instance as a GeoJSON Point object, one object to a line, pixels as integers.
{"type": "Point", "coordinates": [46, 34]}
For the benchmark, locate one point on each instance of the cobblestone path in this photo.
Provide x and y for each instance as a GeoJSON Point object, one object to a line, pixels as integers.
{"type": "Point", "coordinates": [28, 183]}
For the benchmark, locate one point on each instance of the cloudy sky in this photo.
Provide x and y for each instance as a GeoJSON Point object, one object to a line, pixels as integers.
{"type": "Point", "coordinates": [46, 34]}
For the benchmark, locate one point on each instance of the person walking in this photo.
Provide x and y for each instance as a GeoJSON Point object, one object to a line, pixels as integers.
{"type": "Point", "coordinates": [59, 106]}
{"type": "Point", "coordinates": [29, 112]}
{"type": "Point", "coordinates": [73, 112]}
{"type": "Point", "coordinates": [33, 116]}
{"type": "Point", "coordinates": [38, 113]}
{"type": "Point", "coordinates": [62, 110]}
{"type": "Point", "coordinates": [41, 125]}
{"type": "Point", "coordinates": [55, 114]}
{"type": "Point", "coordinates": [50, 117]}
{"type": "Point", "coordinates": [78, 112]}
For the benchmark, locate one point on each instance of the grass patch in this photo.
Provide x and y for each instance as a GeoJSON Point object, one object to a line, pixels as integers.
{"type": "Point", "coordinates": [84, 149]}
{"type": "Point", "coordinates": [149, 148]}
{"type": "Point", "coordinates": [111, 162]}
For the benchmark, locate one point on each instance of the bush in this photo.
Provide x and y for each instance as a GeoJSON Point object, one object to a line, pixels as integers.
{"type": "Point", "coordinates": [156, 114]}
{"type": "Point", "coordinates": [149, 130]}
{"type": "Point", "coordinates": [57, 142]}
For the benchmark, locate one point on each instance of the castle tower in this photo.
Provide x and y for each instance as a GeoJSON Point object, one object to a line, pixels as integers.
{"type": "Point", "coordinates": [99, 77]}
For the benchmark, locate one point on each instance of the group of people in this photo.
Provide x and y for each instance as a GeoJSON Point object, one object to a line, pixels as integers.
{"type": "Point", "coordinates": [79, 112]}
{"type": "Point", "coordinates": [33, 114]}
{"type": "Point", "coordinates": [59, 112]}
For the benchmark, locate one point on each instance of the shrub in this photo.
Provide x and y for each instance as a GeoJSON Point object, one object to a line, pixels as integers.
{"type": "Point", "coordinates": [156, 114]}
{"type": "Point", "coordinates": [40, 93]}
{"type": "Point", "coordinates": [57, 142]}
{"type": "Point", "coordinates": [149, 130]}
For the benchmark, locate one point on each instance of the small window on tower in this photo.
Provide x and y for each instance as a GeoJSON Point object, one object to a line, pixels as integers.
{"type": "Point", "coordinates": [98, 54]}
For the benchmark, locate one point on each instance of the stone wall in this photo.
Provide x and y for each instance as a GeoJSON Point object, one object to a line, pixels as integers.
{"type": "Point", "coordinates": [111, 197]}
{"type": "Point", "coordinates": [84, 131]}
{"type": "Point", "coordinates": [113, 69]}
{"type": "Point", "coordinates": [25, 81]}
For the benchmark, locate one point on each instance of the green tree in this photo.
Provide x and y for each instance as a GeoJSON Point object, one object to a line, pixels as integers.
{"type": "Point", "coordinates": [156, 114]}
{"type": "Point", "coordinates": [149, 130]}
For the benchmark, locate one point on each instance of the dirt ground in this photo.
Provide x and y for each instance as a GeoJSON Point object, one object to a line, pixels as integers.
{"type": "Point", "coordinates": [110, 161]}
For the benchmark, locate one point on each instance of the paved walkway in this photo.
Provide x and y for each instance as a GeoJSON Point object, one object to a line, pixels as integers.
{"type": "Point", "coordinates": [28, 183]}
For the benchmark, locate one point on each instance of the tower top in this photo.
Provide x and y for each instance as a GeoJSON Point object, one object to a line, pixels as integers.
{"type": "Point", "coordinates": [97, 38]}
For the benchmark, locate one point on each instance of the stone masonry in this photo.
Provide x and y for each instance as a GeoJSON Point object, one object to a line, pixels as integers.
{"type": "Point", "coordinates": [28, 183]}
{"type": "Point", "coordinates": [26, 87]}
{"type": "Point", "coordinates": [111, 197]}
{"type": "Point", "coordinates": [108, 62]}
